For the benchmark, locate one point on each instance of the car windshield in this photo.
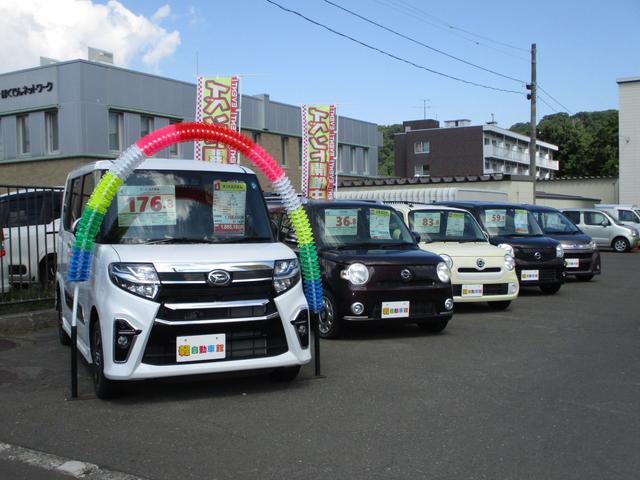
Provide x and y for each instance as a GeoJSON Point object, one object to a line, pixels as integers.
{"type": "Point", "coordinates": [445, 226]}
{"type": "Point", "coordinates": [360, 226]}
{"type": "Point", "coordinates": [509, 221]}
{"type": "Point", "coordinates": [554, 222]}
{"type": "Point", "coordinates": [187, 207]}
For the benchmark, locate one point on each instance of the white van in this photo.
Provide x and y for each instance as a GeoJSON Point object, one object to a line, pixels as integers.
{"type": "Point", "coordinates": [625, 214]}
{"type": "Point", "coordinates": [186, 277]}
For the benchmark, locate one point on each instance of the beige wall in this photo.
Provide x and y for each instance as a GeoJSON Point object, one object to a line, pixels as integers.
{"type": "Point", "coordinates": [48, 173]}
{"type": "Point", "coordinates": [629, 131]}
{"type": "Point", "coordinates": [560, 204]}
{"type": "Point", "coordinates": [606, 189]}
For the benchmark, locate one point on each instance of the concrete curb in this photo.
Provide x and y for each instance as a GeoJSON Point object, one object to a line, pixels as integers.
{"type": "Point", "coordinates": [27, 321]}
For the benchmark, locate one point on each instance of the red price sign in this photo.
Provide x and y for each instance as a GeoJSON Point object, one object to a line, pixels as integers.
{"type": "Point", "coordinates": [146, 205]}
{"type": "Point", "coordinates": [345, 221]}
{"type": "Point", "coordinates": [155, 203]}
{"type": "Point", "coordinates": [427, 222]}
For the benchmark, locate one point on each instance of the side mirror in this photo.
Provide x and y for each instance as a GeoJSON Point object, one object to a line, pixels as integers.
{"type": "Point", "coordinates": [416, 235]}
{"type": "Point", "coordinates": [486, 235]}
{"type": "Point", "coordinates": [605, 223]}
{"type": "Point", "coordinates": [74, 226]}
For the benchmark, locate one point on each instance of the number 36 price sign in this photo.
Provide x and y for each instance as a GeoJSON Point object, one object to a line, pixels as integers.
{"type": "Point", "coordinates": [146, 205]}
{"type": "Point", "coordinates": [342, 221]}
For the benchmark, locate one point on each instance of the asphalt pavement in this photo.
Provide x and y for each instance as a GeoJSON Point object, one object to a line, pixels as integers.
{"type": "Point", "coordinates": [548, 389]}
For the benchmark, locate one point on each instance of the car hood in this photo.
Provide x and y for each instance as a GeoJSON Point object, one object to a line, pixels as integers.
{"type": "Point", "coordinates": [381, 256]}
{"type": "Point", "coordinates": [568, 239]}
{"type": "Point", "coordinates": [464, 249]}
{"type": "Point", "coordinates": [203, 254]}
{"type": "Point", "coordinates": [525, 241]}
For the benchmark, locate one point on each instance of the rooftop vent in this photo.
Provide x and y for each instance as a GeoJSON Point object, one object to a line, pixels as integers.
{"type": "Point", "coordinates": [463, 122]}
{"type": "Point", "coordinates": [101, 56]}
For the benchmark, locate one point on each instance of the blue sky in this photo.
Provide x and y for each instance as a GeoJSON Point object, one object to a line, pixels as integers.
{"type": "Point", "coordinates": [583, 46]}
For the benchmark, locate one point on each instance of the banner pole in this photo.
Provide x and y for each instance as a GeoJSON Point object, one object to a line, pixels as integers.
{"type": "Point", "coordinates": [74, 344]}
{"type": "Point", "coordinates": [316, 341]}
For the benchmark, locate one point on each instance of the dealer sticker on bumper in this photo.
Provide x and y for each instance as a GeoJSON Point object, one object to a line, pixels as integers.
{"type": "Point", "coordinates": [395, 309]}
{"type": "Point", "coordinates": [472, 290]}
{"type": "Point", "coordinates": [572, 262]}
{"type": "Point", "coordinates": [529, 275]}
{"type": "Point", "coordinates": [200, 347]}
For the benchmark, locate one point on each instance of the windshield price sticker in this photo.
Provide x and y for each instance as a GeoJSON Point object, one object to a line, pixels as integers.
{"type": "Point", "coordinates": [379, 223]}
{"type": "Point", "coordinates": [495, 218]}
{"type": "Point", "coordinates": [521, 221]}
{"type": "Point", "coordinates": [426, 222]}
{"type": "Point", "coordinates": [529, 275]}
{"type": "Point", "coordinates": [146, 205]}
{"type": "Point", "coordinates": [342, 221]}
{"type": "Point", "coordinates": [455, 224]}
{"type": "Point", "coordinates": [197, 348]}
{"type": "Point", "coordinates": [229, 205]}
{"type": "Point", "coordinates": [472, 290]}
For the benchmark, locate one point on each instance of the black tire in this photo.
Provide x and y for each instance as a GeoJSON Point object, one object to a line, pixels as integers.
{"type": "Point", "coordinates": [47, 270]}
{"type": "Point", "coordinates": [499, 305]}
{"type": "Point", "coordinates": [620, 245]}
{"type": "Point", "coordinates": [63, 336]}
{"type": "Point", "coordinates": [285, 374]}
{"type": "Point", "coordinates": [584, 278]}
{"type": "Point", "coordinates": [434, 326]}
{"type": "Point", "coordinates": [104, 387]}
{"type": "Point", "coordinates": [330, 325]}
{"type": "Point", "coordinates": [550, 288]}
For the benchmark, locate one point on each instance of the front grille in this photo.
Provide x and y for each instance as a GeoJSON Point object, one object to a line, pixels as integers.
{"type": "Point", "coordinates": [214, 313]}
{"type": "Point", "coordinates": [244, 340]}
{"type": "Point", "coordinates": [388, 276]}
{"type": "Point", "coordinates": [186, 292]}
{"type": "Point", "coordinates": [529, 253]}
{"type": "Point", "coordinates": [548, 275]}
{"type": "Point", "coordinates": [487, 289]}
{"type": "Point", "coordinates": [477, 270]}
{"type": "Point", "coordinates": [584, 262]}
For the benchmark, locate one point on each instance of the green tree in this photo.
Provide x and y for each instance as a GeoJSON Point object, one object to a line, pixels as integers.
{"type": "Point", "coordinates": [587, 141]}
{"type": "Point", "coordinates": [386, 158]}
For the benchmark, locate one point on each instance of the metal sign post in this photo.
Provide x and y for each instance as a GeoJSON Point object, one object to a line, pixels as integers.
{"type": "Point", "coordinates": [316, 341]}
{"type": "Point", "coordinates": [74, 344]}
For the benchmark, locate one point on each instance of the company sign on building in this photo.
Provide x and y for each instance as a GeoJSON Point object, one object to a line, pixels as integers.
{"type": "Point", "coordinates": [319, 134]}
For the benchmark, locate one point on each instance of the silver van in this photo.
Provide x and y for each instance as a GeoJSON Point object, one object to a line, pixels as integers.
{"type": "Point", "coordinates": [605, 230]}
{"type": "Point", "coordinates": [625, 214]}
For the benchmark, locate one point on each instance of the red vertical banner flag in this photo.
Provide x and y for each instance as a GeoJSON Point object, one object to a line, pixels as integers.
{"type": "Point", "coordinates": [319, 148]}
{"type": "Point", "coordinates": [218, 102]}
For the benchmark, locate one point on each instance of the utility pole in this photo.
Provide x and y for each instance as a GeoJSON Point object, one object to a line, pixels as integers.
{"type": "Point", "coordinates": [424, 107]}
{"type": "Point", "coordinates": [532, 145]}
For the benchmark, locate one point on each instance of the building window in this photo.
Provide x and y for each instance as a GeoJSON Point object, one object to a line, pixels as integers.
{"type": "Point", "coordinates": [51, 131]}
{"type": "Point", "coordinates": [146, 125]}
{"type": "Point", "coordinates": [24, 146]}
{"type": "Point", "coordinates": [174, 150]}
{"type": "Point", "coordinates": [284, 144]}
{"type": "Point", "coordinates": [352, 163]}
{"type": "Point", "coordinates": [422, 171]}
{"type": "Point", "coordinates": [116, 120]}
{"type": "Point", "coordinates": [365, 155]}
{"type": "Point", "coordinates": [486, 141]}
{"type": "Point", "coordinates": [421, 147]}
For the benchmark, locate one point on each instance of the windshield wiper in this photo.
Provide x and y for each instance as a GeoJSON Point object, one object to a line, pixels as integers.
{"type": "Point", "coordinates": [160, 241]}
{"type": "Point", "coordinates": [390, 245]}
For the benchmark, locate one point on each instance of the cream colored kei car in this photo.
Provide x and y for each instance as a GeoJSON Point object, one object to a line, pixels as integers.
{"type": "Point", "coordinates": [480, 272]}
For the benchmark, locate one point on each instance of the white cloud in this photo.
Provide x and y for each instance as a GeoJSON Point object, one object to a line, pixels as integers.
{"type": "Point", "coordinates": [63, 29]}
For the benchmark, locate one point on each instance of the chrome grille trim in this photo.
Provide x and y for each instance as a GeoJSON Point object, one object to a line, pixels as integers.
{"type": "Point", "coordinates": [221, 320]}
{"type": "Point", "coordinates": [261, 302]}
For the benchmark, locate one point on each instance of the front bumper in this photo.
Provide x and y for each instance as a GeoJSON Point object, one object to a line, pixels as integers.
{"type": "Point", "coordinates": [142, 315]}
{"type": "Point", "coordinates": [425, 303]}
{"type": "Point", "coordinates": [588, 263]}
{"type": "Point", "coordinates": [550, 272]}
{"type": "Point", "coordinates": [496, 286]}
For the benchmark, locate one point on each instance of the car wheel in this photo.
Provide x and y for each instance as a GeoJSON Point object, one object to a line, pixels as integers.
{"type": "Point", "coordinates": [63, 336]}
{"type": "Point", "coordinates": [550, 288]}
{"type": "Point", "coordinates": [285, 374]}
{"type": "Point", "coordinates": [584, 278]}
{"type": "Point", "coordinates": [621, 245]}
{"type": "Point", "coordinates": [104, 387]}
{"type": "Point", "coordinates": [330, 326]}
{"type": "Point", "coordinates": [499, 305]}
{"type": "Point", "coordinates": [433, 326]}
{"type": "Point", "coordinates": [47, 270]}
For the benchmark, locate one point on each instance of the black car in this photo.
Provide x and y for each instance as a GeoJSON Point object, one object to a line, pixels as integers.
{"type": "Point", "coordinates": [539, 258]}
{"type": "Point", "coordinates": [372, 268]}
{"type": "Point", "coordinates": [581, 255]}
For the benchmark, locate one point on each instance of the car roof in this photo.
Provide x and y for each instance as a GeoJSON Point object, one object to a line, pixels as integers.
{"type": "Point", "coordinates": [164, 164]}
{"type": "Point", "coordinates": [539, 208]}
{"type": "Point", "coordinates": [466, 204]}
{"type": "Point", "coordinates": [411, 206]}
{"type": "Point", "coordinates": [347, 203]}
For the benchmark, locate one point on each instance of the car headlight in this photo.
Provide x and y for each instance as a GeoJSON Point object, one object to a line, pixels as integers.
{"type": "Point", "coordinates": [356, 273]}
{"type": "Point", "coordinates": [444, 274]}
{"type": "Point", "coordinates": [592, 245]}
{"type": "Point", "coordinates": [138, 278]}
{"type": "Point", "coordinates": [508, 248]}
{"type": "Point", "coordinates": [286, 273]}
{"type": "Point", "coordinates": [634, 233]}
{"type": "Point", "coordinates": [559, 251]}
{"type": "Point", "coordinates": [448, 260]}
{"type": "Point", "coordinates": [509, 262]}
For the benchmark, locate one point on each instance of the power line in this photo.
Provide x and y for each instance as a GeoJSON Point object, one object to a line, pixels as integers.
{"type": "Point", "coordinates": [547, 104]}
{"type": "Point", "coordinates": [552, 98]}
{"type": "Point", "coordinates": [391, 55]}
{"type": "Point", "coordinates": [421, 43]}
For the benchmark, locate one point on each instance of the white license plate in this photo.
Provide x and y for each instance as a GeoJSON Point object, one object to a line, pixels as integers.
{"type": "Point", "coordinates": [395, 309]}
{"type": "Point", "coordinates": [200, 347]}
{"type": "Point", "coordinates": [471, 290]}
{"type": "Point", "coordinates": [572, 262]}
{"type": "Point", "coordinates": [529, 275]}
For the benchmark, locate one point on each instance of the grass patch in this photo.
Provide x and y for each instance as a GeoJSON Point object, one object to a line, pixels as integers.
{"type": "Point", "coordinates": [26, 299]}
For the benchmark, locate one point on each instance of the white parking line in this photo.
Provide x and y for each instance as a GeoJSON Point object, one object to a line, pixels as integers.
{"type": "Point", "coordinates": [62, 465]}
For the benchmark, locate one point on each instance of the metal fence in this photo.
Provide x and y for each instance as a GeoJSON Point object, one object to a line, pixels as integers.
{"type": "Point", "coordinates": [29, 223]}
